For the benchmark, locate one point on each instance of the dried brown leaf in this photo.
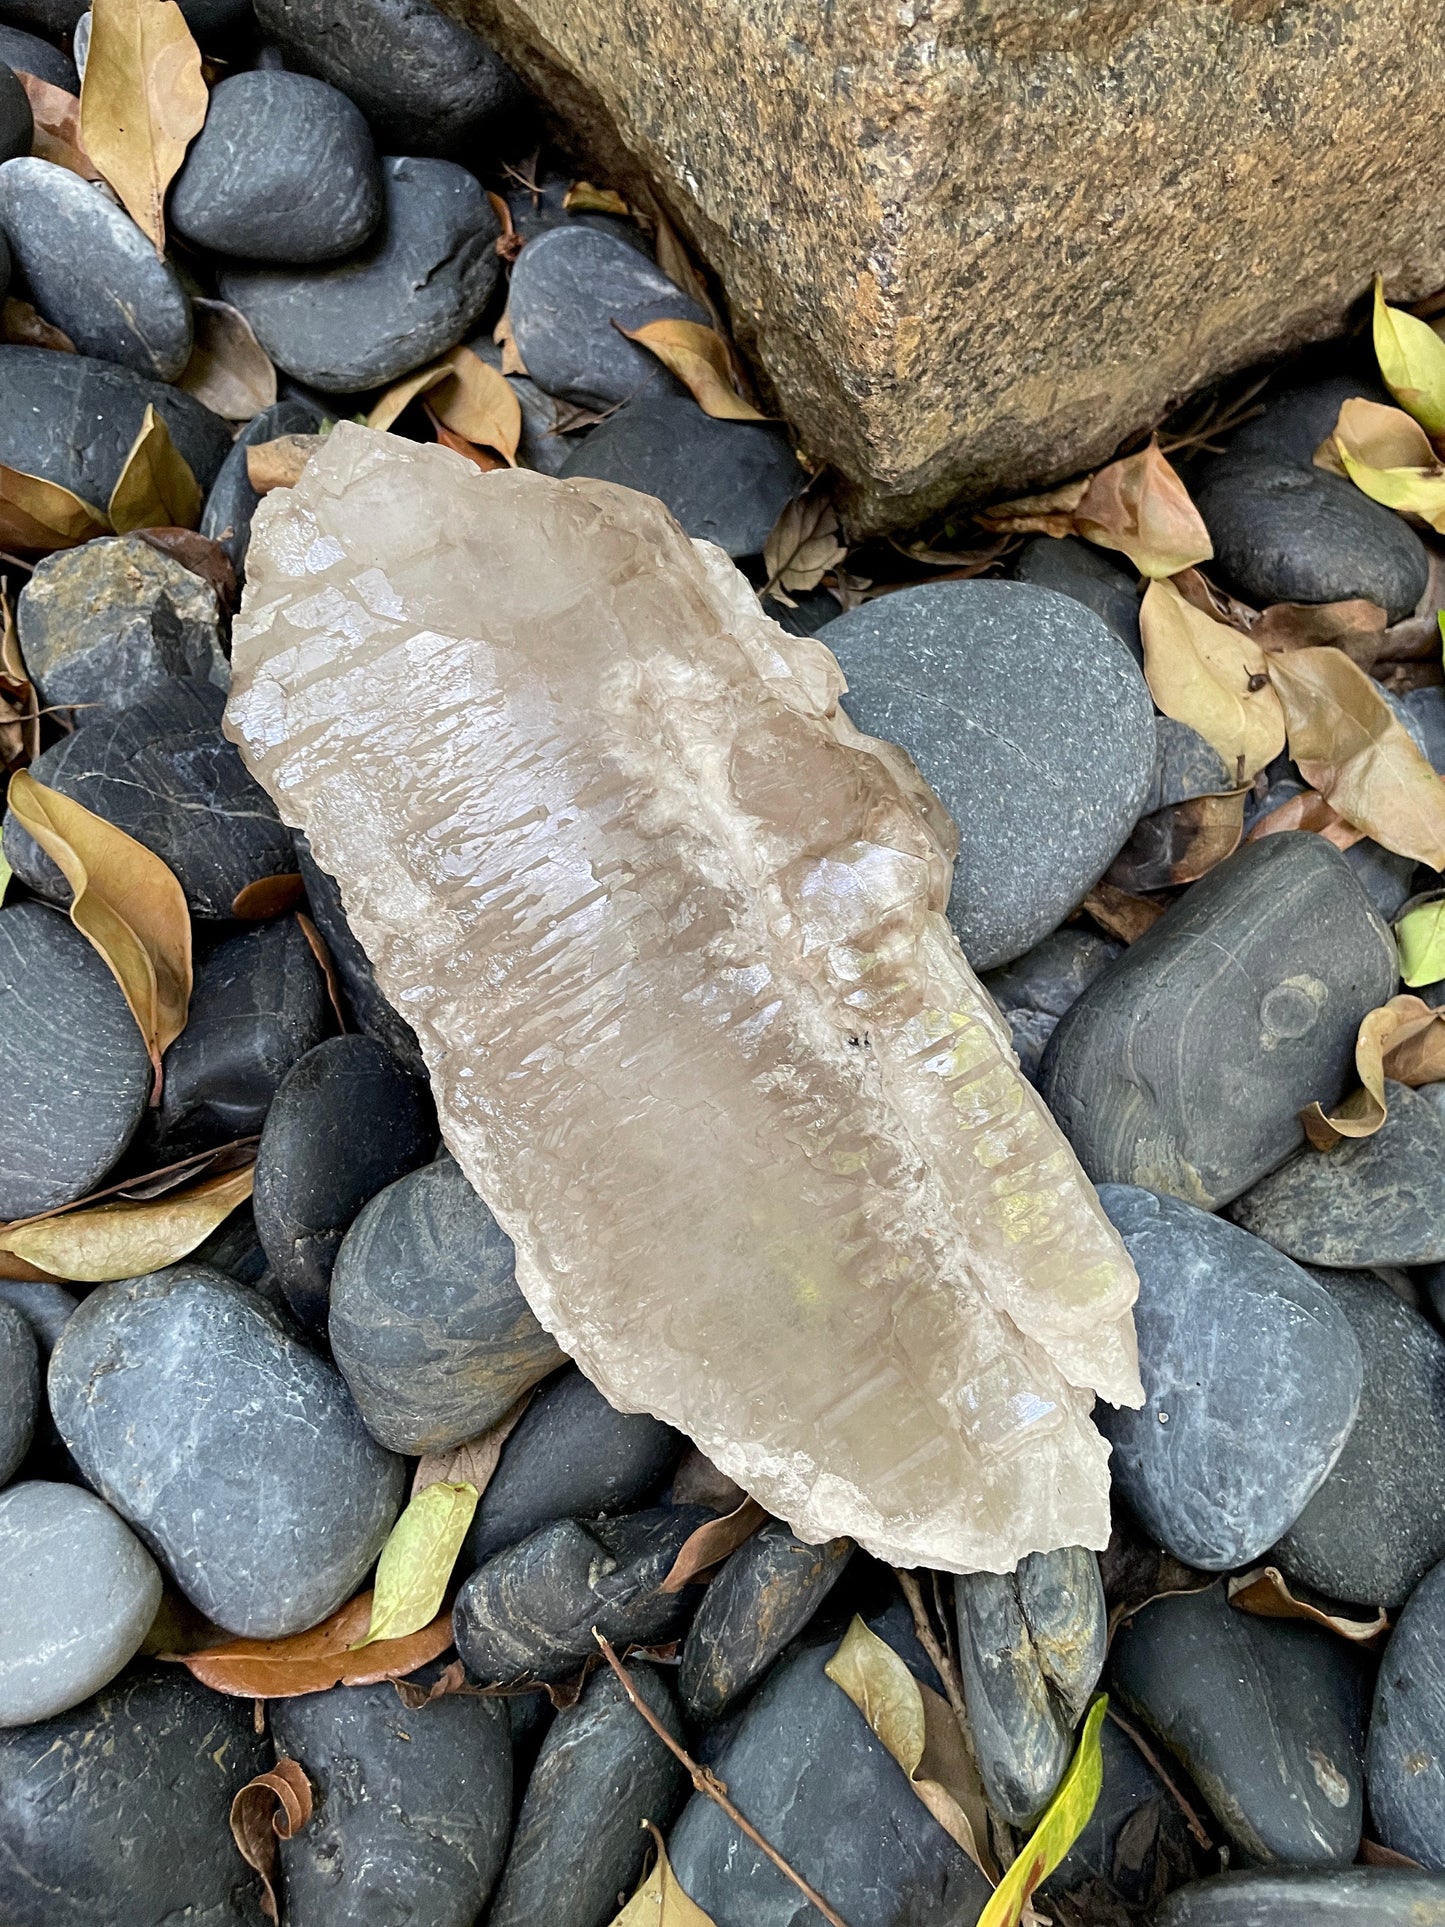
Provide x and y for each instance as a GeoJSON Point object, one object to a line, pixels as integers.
{"type": "Point", "coordinates": [1404, 1041]}
{"type": "Point", "coordinates": [675, 261]}
{"type": "Point", "coordinates": [22, 326]}
{"type": "Point", "coordinates": [42, 516]}
{"type": "Point", "coordinates": [1206, 596]}
{"type": "Point", "coordinates": [202, 555]}
{"type": "Point", "coordinates": [1308, 811]}
{"type": "Point", "coordinates": [583, 198]}
{"type": "Point", "coordinates": [269, 897]}
{"type": "Point", "coordinates": [274, 1806]}
{"type": "Point", "coordinates": [661, 1900]}
{"type": "Point", "coordinates": [57, 131]}
{"type": "Point", "coordinates": [1120, 913]}
{"type": "Point", "coordinates": [142, 103]}
{"type": "Point", "coordinates": [155, 487]}
{"type": "Point", "coordinates": [128, 1239]}
{"type": "Point", "coordinates": [1358, 627]}
{"type": "Point", "coordinates": [315, 1661]}
{"type": "Point", "coordinates": [512, 362]}
{"type": "Point", "coordinates": [473, 1461]}
{"type": "Point", "coordinates": [20, 734]}
{"type": "Point", "coordinates": [1372, 1854]}
{"type": "Point", "coordinates": [1374, 433]}
{"type": "Point", "coordinates": [1140, 506]}
{"type": "Point", "coordinates": [278, 463]}
{"type": "Point", "coordinates": [1051, 513]}
{"type": "Point", "coordinates": [509, 243]}
{"type": "Point", "coordinates": [229, 371]}
{"type": "Point", "coordinates": [713, 1542]}
{"type": "Point", "coordinates": [699, 357]}
{"type": "Point", "coordinates": [802, 546]}
{"type": "Point", "coordinates": [1179, 844]}
{"type": "Point", "coordinates": [483, 458]}
{"type": "Point", "coordinates": [1266, 1593]}
{"type": "Point", "coordinates": [1210, 676]}
{"type": "Point", "coordinates": [328, 968]}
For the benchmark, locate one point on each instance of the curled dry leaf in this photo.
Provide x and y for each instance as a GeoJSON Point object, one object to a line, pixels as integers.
{"type": "Point", "coordinates": [1202, 594]}
{"type": "Point", "coordinates": [269, 897]}
{"type": "Point", "coordinates": [583, 198]}
{"type": "Point", "coordinates": [278, 464]}
{"type": "Point", "coordinates": [1358, 627]}
{"type": "Point", "coordinates": [228, 370]}
{"type": "Point", "coordinates": [802, 546]}
{"type": "Point", "coordinates": [1420, 938]}
{"type": "Point", "coordinates": [322, 955]}
{"type": "Point", "coordinates": [155, 488]}
{"type": "Point", "coordinates": [467, 395]}
{"type": "Point", "coordinates": [416, 1562]}
{"type": "Point", "coordinates": [142, 103]}
{"type": "Point", "coordinates": [509, 243]}
{"type": "Point", "coordinates": [699, 357]}
{"type": "Point", "coordinates": [1265, 1592]}
{"type": "Point", "coordinates": [1121, 914]}
{"type": "Point", "coordinates": [20, 727]}
{"type": "Point", "coordinates": [1050, 513]}
{"type": "Point", "coordinates": [1137, 505]}
{"type": "Point", "coordinates": [1388, 457]}
{"type": "Point", "coordinates": [660, 1900]}
{"type": "Point", "coordinates": [512, 362]}
{"type": "Point", "coordinates": [1412, 361]}
{"type": "Point", "coordinates": [676, 263]}
{"type": "Point", "coordinates": [713, 1542]}
{"type": "Point", "coordinates": [918, 1728]}
{"type": "Point", "coordinates": [1210, 676]}
{"type": "Point", "coordinates": [473, 1461]}
{"type": "Point", "coordinates": [1404, 1041]}
{"type": "Point", "coordinates": [1349, 746]}
{"type": "Point", "coordinates": [126, 1239]}
{"type": "Point", "coordinates": [57, 131]}
{"type": "Point", "coordinates": [315, 1661]}
{"type": "Point", "coordinates": [201, 554]}
{"type": "Point", "coordinates": [41, 516]}
{"type": "Point", "coordinates": [1308, 811]}
{"type": "Point", "coordinates": [1065, 1818]}
{"type": "Point", "coordinates": [482, 458]}
{"type": "Point", "coordinates": [1179, 844]}
{"type": "Point", "coordinates": [1372, 1854]}
{"type": "Point", "coordinates": [274, 1806]}
{"type": "Point", "coordinates": [22, 326]}
{"type": "Point", "coordinates": [127, 904]}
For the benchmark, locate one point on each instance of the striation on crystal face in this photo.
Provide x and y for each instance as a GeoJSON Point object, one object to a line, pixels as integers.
{"type": "Point", "coordinates": [669, 930]}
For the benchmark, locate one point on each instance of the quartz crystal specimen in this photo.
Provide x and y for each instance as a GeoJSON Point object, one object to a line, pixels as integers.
{"type": "Point", "coordinates": [669, 930]}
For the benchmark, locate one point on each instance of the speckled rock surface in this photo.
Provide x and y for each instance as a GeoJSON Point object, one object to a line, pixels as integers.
{"type": "Point", "coordinates": [1088, 574]}
{"type": "Point", "coordinates": [1035, 990]}
{"type": "Point", "coordinates": [1406, 1759]}
{"type": "Point", "coordinates": [27, 53]}
{"type": "Point", "coordinates": [19, 1390]}
{"type": "Point", "coordinates": [1352, 1897]}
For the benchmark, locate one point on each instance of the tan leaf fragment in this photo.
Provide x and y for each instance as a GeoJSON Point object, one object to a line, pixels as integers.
{"type": "Point", "coordinates": [1357, 626]}
{"type": "Point", "coordinates": [314, 1661]}
{"type": "Point", "coordinates": [1308, 811]}
{"type": "Point", "coordinates": [142, 102]}
{"type": "Point", "coordinates": [278, 463]}
{"type": "Point", "coordinates": [1051, 513]}
{"type": "Point", "coordinates": [42, 516]}
{"type": "Point", "coordinates": [20, 730]}
{"type": "Point", "coordinates": [1120, 913]}
{"type": "Point", "coordinates": [126, 1240]}
{"type": "Point", "coordinates": [1140, 506]}
{"type": "Point", "coordinates": [473, 1461]}
{"type": "Point", "coordinates": [1266, 1593]}
{"type": "Point", "coordinates": [675, 261]}
{"type": "Point", "coordinates": [713, 1542]}
{"type": "Point", "coordinates": [512, 362]}
{"type": "Point", "coordinates": [464, 394]}
{"type": "Point", "coordinates": [660, 1900]}
{"type": "Point", "coordinates": [274, 1806]}
{"type": "Point", "coordinates": [583, 198]}
{"type": "Point", "coordinates": [699, 357]}
{"type": "Point", "coordinates": [229, 371]}
{"type": "Point", "coordinates": [57, 127]}
{"type": "Point", "coordinates": [1179, 843]}
{"type": "Point", "coordinates": [1389, 457]}
{"type": "Point", "coordinates": [317, 946]}
{"type": "Point", "coordinates": [481, 458]}
{"type": "Point", "coordinates": [155, 487]}
{"type": "Point", "coordinates": [802, 546]}
{"type": "Point", "coordinates": [269, 897]}
{"type": "Point", "coordinates": [23, 326]}
{"type": "Point", "coordinates": [509, 243]}
{"type": "Point", "coordinates": [1210, 676]}
{"type": "Point", "coordinates": [1404, 1041]}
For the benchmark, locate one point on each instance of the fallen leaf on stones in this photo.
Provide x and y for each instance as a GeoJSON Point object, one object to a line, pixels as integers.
{"type": "Point", "coordinates": [1211, 600]}
{"type": "Point", "coordinates": [660, 1900]}
{"type": "Point", "coordinates": [200, 554]}
{"type": "Point", "coordinates": [315, 1661]}
{"type": "Point", "coordinates": [483, 458]}
{"type": "Point", "coordinates": [127, 905]}
{"type": "Point", "coordinates": [24, 327]}
{"type": "Point", "coordinates": [512, 362]}
{"type": "Point", "coordinates": [1420, 935]}
{"type": "Point", "coordinates": [155, 488]}
{"type": "Point", "coordinates": [699, 357]}
{"type": "Point", "coordinates": [127, 1240]}
{"type": "Point", "coordinates": [142, 103]}
{"type": "Point", "coordinates": [1122, 915]}
{"type": "Point", "coordinates": [452, 1679]}
{"type": "Point", "coordinates": [328, 969]}
{"type": "Point", "coordinates": [1140, 506]}
{"type": "Point", "coordinates": [274, 1806]}
{"type": "Point", "coordinates": [57, 138]}
{"type": "Point", "coordinates": [583, 198]}
{"type": "Point", "coordinates": [1388, 457]}
{"type": "Point", "coordinates": [675, 261]}
{"type": "Point", "coordinates": [1266, 1593]}
{"type": "Point", "coordinates": [1050, 513]}
{"type": "Point", "coordinates": [20, 731]}
{"type": "Point", "coordinates": [509, 243]}
{"type": "Point", "coordinates": [1308, 811]}
{"type": "Point", "coordinates": [1350, 747]}
{"type": "Point", "coordinates": [1412, 361]}
{"type": "Point", "coordinates": [918, 1728]}
{"type": "Point", "coordinates": [43, 516]}
{"type": "Point", "coordinates": [1372, 1854]}
{"type": "Point", "coordinates": [228, 370]}
{"type": "Point", "coordinates": [473, 1461]}
{"type": "Point", "coordinates": [713, 1542]}
{"type": "Point", "coordinates": [1065, 1818]}
{"type": "Point", "coordinates": [416, 1561]}
{"type": "Point", "coordinates": [278, 464]}
{"type": "Point", "coordinates": [801, 547]}
{"type": "Point", "coordinates": [467, 394]}
{"type": "Point", "coordinates": [1179, 844]}
{"type": "Point", "coordinates": [269, 897]}
{"type": "Point", "coordinates": [1206, 674]}
{"type": "Point", "coordinates": [1358, 627]}
{"type": "Point", "coordinates": [1404, 1041]}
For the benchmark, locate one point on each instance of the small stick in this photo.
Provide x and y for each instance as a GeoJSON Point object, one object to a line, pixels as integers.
{"type": "Point", "coordinates": [928, 1640]}
{"type": "Point", "coordinates": [706, 1781]}
{"type": "Point", "coordinates": [1191, 1818]}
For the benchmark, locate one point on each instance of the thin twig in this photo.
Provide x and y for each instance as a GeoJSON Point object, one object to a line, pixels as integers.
{"type": "Point", "coordinates": [928, 1640]}
{"type": "Point", "coordinates": [706, 1781]}
{"type": "Point", "coordinates": [1191, 1818]}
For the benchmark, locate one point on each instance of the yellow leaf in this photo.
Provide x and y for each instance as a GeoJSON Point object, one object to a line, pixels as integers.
{"type": "Point", "coordinates": [155, 489]}
{"type": "Point", "coordinates": [36, 514]}
{"type": "Point", "coordinates": [416, 1561]}
{"type": "Point", "coordinates": [1410, 491]}
{"type": "Point", "coordinates": [1404, 1041]}
{"type": "Point", "coordinates": [127, 904]}
{"type": "Point", "coordinates": [1420, 934]}
{"type": "Point", "coordinates": [919, 1730]}
{"type": "Point", "coordinates": [1210, 676]}
{"type": "Point", "coordinates": [1349, 746]}
{"type": "Point", "coordinates": [1412, 360]}
{"type": "Point", "coordinates": [142, 103]}
{"type": "Point", "coordinates": [660, 1900]}
{"type": "Point", "coordinates": [468, 395]}
{"type": "Point", "coordinates": [123, 1239]}
{"type": "Point", "coordinates": [228, 370]}
{"type": "Point", "coordinates": [1064, 1820]}
{"type": "Point", "coordinates": [1383, 437]}
{"type": "Point", "coordinates": [583, 198]}
{"type": "Point", "coordinates": [698, 356]}
{"type": "Point", "coordinates": [1140, 506]}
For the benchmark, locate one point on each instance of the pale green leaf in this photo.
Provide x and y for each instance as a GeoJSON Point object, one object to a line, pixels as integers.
{"type": "Point", "coordinates": [416, 1561]}
{"type": "Point", "coordinates": [1065, 1818]}
{"type": "Point", "coordinates": [1412, 360]}
{"type": "Point", "coordinates": [1420, 935]}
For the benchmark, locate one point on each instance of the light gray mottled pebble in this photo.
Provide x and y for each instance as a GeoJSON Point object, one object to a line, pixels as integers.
{"type": "Point", "coordinates": [1080, 570]}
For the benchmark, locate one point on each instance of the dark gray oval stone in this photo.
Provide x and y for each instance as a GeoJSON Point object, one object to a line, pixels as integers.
{"type": "Point", "coordinates": [1292, 534]}
{"type": "Point", "coordinates": [1185, 766]}
{"type": "Point", "coordinates": [259, 1004]}
{"type": "Point", "coordinates": [1372, 1201]}
{"type": "Point", "coordinates": [530, 1610]}
{"type": "Point", "coordinates": [601, 1772]}
{"type": "Point", "coordinates": [27, 53]}
{"type": "Point", "coordinates": [232, 501]}
{"type": "Point", "coordinates": [1035, 990]}
{"type": "Point", "coordinates": [1377, 1524]}
{"type": "Point", "coordinates": [1184, 1067]}
{"type": "Point", "coordinates": [56, 17]}
{"type": "Point", "coordinates": [17, 124]}
{"type": "Point", "coordinates": [806, 1770]}
{"type": "Point", "coordinates": [347, 1121]}
{"type": "Point", "coordinates": [1062, 1596]}
{"type": "Point", "coordinates": [72, 1063]}
{"type": "Point", "coordinates": [78, 1593]}
{"type": "Point", "coordinates": [422, 80]}
{"type": "Point", "coordinates": [1292, 423]}
{"type": "Point", "coordinates": [19, 1395]}
{"type": "Point", "coordinates": [1027, 716]}
{"type": "Point", "coordinates": [427, 1325]}
{"type": "Point", "coordinates": [1353, 1897]}
{"type": "Point", "coordinates": [572, 1456]}
{"type": "Point", "coordinates": [412, 292]}
{"type": "Point", "coordinates": [1251, 1376]}
{"type": "Point", "coordinates": [725, 482]}
{"type": "Point", "coordinates": [107, 621]}
{"type": "Point", "coordinates": [43, 1306]}
{"type": "Point", "coordinates": [1406, 1760]}
{"type": "Point", "coordinates": [412, 1809]}
{"type": "Point", "coordinates": [235, 1453]}
{"type": "Point", "coordinates": [363, 996]}
{"type": "Point", "coordinates": [161, 771]}
{"type": "Point", "coordinates": [1022, 1738]}
{"type": "Point", "coordinates": [543, 446]}
{"type": "Point", "coordinates": [1078, 569]}
{"type": "Point", "coordinates": [92, 271]}
{"type": "Point", "coordinates": [1267, 1715]}
{"type": "Point", "coordinates": [764, 1596]}
{"type": "Point", "coordinates": [1135, 1845]}
{"type": "Point", "coordinates": [573, 289]}
{"type": "Point", "coordinates": [283, 170]}
{"type": "Point", "coordinates": [117, 1814]}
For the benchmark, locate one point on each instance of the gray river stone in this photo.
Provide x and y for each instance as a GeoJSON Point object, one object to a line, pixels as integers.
{"type": "Point", "coordinates": [72, 1062]}
{"type": "Point", "coordinates": [764, 1596]}
{"type": "Point", "coordinates": [92, 271]}
{"type": "Point", "coordinates": [1028, 717]}
{"type": "Point", "coordinates": [415, 289]}
{"type": "Point", "coordinates": [1185, 766]}
{"type": "Point", "coordinates": [1078, 569]}
{"type": "Point", "coordinates": [1406, 1759]}
{"type": "Point", "coordinates": [1267, 1715]}
{"type": "Point", "coordinates": [370, 1009]}
{"type": "Point", "coordinates": [1422, 711]}
{"type": "Point", "coordinates": [259, 1004]}
{"type": "Point", "coordinates": [725, 482]}
{"type": "Point", "coordinates": [232, 501]}
{"type": "Point", "coordinates": [55, 17]}
{"type": "Point", "coordinates": [161, 770]}
{"type": "Point", "coordinates": [116, 1814]}
{"type": "Point", "coordinates": [806, 1770]}
{"type": "Point", "coordinates": [427, 1325]}
{"type": "Point", "coordinates": [601, 1772]}
{"type": "Point", "coordinates": [423, 81]}
{"type": "Point", "coordinates": [107, 621]}
{"type": "Point", "coordinates": [266, 1525]}
{"type": "Point", "coordinates": [1035, 990]}
{"type": "Point", "coordinates": [1135, 1846]}
{"type": "Point", "coordinates": [412, 1812]}
{"type": "Point", "coordinates": [542, 446]}
{"type": "Point", "coordinates": [1377, 1524]}
{"type": "Point", "coordinates": [575, 1456]}
{"type": "Point", "coordinates": [19, 1391]}
{"type": "Point", "coordinates": [1185, 1065]}
{"type": "Point", "coordinates": [1293, 421]}
{"type": "Point", "coordinates": [1215, 1471]}
{"type": "Point", "coordinates": [1372, 1201]}
{"type": "Point", "coordinates": [44, 1307]}
{"type": "Point", "coordinates": [17, 124]}
{"type": "Point", "coordinates": [78, 1593]}
{"type": "Point", "coordinates": [530, 1610]}
{"type": "Point", "coordinates": [573, 289]}
{"type": "Point", "coordinates": [27, 53]}
{"type": "Point", "coordinates": [1352, 1897]}
{"type": "Point", "coordinates": [347, 1121]}
{"type": "Point", "coordinates": [283, 170]}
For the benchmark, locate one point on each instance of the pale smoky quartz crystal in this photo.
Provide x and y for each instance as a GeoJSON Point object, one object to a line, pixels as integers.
{"type": "Point", "coordinates": [670, 932]}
